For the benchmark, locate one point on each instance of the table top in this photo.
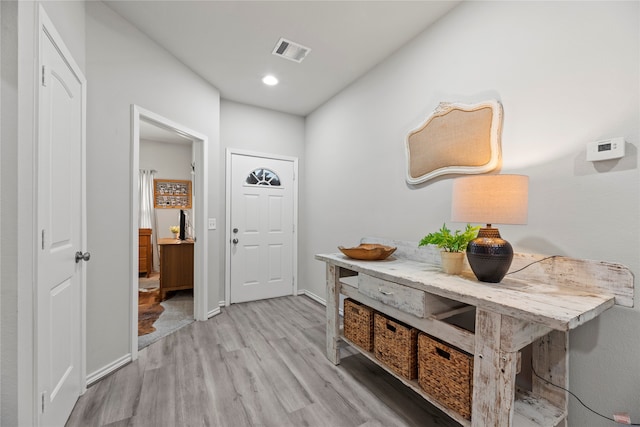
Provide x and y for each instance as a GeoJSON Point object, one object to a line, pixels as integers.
{"type": "Point", "coordinates": [558, 307]}
{"type": "Point", "coordinates": [172, 241]}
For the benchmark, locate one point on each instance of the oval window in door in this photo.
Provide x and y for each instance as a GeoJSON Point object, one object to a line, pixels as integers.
{"type": "Point", "coordinates": [263, 176]}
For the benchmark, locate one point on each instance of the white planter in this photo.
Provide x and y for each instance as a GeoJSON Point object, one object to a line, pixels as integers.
{"type": "Point", "coordinates": [452, 262]}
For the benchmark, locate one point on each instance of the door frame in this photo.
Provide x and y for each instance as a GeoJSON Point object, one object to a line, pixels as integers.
{"type": "Point", "coordinates": [227, 233]}
{"type": "Point", "coordinates": [45, 25]}
{"type": "Point", "coordinates": [200, 146]}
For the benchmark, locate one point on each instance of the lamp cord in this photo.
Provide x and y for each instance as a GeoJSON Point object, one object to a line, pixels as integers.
{"type": "Point", "coordinates": [534, 262]}
{"type": "Point", "coordinates": [549, 382]}
{"type": "Point", "coordinates": [577, 398]}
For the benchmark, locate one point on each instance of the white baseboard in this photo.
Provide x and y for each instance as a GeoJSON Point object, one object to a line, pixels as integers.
{"type": "Point", "coordinates": [112, 367]}
{"type": "Point", "coordinates": [213, 312]}
{"type": "Point", "coordinates": [317, 299]}
{"type": "Point", "coordinates": [222, 303]}
{"type": "Point", "coordinates": [313, 296]}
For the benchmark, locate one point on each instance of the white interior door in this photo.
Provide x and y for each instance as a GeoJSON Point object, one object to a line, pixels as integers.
{"type": "Point", "coordinates": [60, 219]}
{"type": "Point", "coordinates": [262, 224]}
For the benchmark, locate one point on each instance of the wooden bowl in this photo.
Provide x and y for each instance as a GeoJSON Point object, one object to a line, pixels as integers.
{"type": "Point", "coordinates": [368, 251]}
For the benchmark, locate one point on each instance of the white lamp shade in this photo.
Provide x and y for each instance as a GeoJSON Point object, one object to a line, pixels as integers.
{"type": "Point", "coordinates": [491, 199]}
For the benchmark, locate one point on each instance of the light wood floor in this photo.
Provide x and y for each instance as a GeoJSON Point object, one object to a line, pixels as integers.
{"type": "Point", "coordinates": [256, 364]}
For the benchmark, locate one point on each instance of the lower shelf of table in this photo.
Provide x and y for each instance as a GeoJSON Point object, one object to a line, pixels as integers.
{"type": "Point", "coordinates": [529, 410]}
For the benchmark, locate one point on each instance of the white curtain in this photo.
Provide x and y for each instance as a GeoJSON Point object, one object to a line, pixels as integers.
{"type": "Point", "coordinates": [147, 216]}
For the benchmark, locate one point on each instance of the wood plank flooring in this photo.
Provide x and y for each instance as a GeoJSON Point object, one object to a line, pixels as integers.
{"type": "Point", "coordinates": [257, 364]}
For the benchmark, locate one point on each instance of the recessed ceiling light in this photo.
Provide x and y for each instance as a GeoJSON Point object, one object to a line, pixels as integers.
{"type": "Point", "coordinates": [269, 80]}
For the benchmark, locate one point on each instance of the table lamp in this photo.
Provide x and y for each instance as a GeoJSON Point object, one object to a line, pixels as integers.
{"type": "Point", "coordinates": [490, 199]}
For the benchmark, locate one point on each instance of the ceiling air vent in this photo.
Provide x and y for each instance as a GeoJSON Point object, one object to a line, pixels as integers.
{"type": "Point", "coordinates": [290, 50]}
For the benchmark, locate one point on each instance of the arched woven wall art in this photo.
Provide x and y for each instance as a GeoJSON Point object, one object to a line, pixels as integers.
{"type": "Point", "coordinates": [455, 139]}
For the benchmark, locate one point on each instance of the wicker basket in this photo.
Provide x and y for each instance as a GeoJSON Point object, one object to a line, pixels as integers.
{"type": "Point", "coordinates": [358, 324]}
{"type": "Point", "coordinates": [395, 344]}
{"type": "Point", "coordinates": [446, 374]}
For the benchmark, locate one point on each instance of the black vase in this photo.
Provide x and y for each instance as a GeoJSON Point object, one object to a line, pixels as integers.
{"type": "Point", "coordinates": [489, 255]}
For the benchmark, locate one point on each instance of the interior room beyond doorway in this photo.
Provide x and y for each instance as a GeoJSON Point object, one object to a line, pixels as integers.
{"type": "Point", "coordinates": [166, 178]}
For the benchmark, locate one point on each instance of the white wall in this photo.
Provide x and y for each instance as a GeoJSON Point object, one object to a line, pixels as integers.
{"type": "Point", "coordinates": [256, 129]}
{"type": "Point", "coordinates": [567, 73]}
{"type": "Point", "coordinates": [172, 161]}
{"type": "Point", "coordinates": [124, 67]}
{"type": "Point", "coordinates": [246, 127]}
{"type": "Point", "coordinates": [17, 210]}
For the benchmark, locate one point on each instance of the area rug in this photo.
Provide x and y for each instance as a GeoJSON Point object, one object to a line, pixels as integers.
{"type": "Point", "coordinates": [178, 312]}
{"type": "Point", "coordinates": [153, 281]}
{"type": "Point", "coordinates": [149, 310]}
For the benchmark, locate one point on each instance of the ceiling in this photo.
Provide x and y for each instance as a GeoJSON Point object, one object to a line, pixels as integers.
{"type": "Point", "coordinates": [229, 43]}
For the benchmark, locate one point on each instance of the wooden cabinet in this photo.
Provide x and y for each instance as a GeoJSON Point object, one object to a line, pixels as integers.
{"type": "Point", "coordinates": [537, 306]}
{"type": "Point", "coordinates": [145, 251]}
{"type": "Point", "coordinates": [176, 265]}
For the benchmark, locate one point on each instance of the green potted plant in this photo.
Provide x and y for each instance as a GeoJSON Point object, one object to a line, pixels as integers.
{"type": "Point", "coordinates": [453, 246]}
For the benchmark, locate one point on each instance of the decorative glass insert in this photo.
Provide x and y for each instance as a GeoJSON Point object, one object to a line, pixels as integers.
{"type": "Point", "coordinates": [263, 176]}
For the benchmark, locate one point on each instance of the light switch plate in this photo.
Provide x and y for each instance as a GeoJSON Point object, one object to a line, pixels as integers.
{"type": "Point", "coordinates": [605, 150]}
{"type": "Point", "coordinates": [212, 223]}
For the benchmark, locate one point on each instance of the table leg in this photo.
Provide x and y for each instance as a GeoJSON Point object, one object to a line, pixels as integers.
{"type": "Point", "coordinates": [333, 315]}
{"type": "Point", "coordinates": [550, 360]}
{"type": "Point", "coordinates": [494, 372]}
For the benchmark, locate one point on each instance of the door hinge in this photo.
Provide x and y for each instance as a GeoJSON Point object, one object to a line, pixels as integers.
{"type": "Point", "coordinates": [43, 239]}
{"type": "Point", "coordinates": [44, 394]}
{"type": "Point", "coordinates": [45, 72]}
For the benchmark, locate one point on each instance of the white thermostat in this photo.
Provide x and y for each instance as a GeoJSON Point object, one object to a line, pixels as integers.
{"type": "Point", "coordinates": [605, 150]}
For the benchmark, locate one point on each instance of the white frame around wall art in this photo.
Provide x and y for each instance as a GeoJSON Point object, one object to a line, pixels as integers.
{"type": "Point", "coordinates": [447, 143]}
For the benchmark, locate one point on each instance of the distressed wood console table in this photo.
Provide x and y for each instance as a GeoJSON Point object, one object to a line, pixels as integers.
{"type": "Point", "coordinates": [538, 306]}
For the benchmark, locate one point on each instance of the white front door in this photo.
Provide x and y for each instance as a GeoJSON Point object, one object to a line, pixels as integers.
{"type": "Point", "coordinates": [59, 205]}
{"type": "Point", "coordinates": [262, 224]}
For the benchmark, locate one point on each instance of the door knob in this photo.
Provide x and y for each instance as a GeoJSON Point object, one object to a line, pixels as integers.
{"type": "Point", "coordinates": [235, 241]}
{"type": "Point", "coordinates": [82, 256]}
{"type": "Point", "coordinates": [235, 230]}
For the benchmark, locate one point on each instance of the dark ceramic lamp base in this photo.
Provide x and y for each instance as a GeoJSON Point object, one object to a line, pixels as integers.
{"type": "Point", "coordinates": [489, 255]}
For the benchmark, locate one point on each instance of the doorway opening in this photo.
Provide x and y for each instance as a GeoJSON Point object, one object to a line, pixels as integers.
{"type": "Point", "coordinates": [165, 268]}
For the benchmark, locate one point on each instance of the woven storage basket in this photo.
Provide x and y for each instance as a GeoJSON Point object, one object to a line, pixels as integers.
{"type": "Point", "coordinates": [395, 344]}
{"type": "Point", "coordinates": [358, 324]}
{"type": "Point", "coordinates": [446, 374]}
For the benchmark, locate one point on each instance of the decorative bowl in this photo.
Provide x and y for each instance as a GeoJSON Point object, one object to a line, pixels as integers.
{"type": "Point", "coordinates": [368, 251]}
